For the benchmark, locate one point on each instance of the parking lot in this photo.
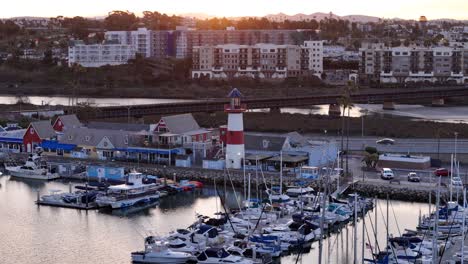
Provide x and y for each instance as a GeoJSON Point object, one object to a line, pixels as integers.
{"type": "Point", "coordinates": [401, 175]}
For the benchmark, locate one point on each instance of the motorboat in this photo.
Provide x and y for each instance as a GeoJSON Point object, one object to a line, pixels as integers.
{"type": "Point", "coordinates": [32, 169]}
{"type": "Point", "coordinates": [297, 191]}
{"type": "Point", "coordinates": [178, 245]}
{"type": "Point", "coordinates": [220, 255]}
{"type": "Point", "coordinates": [160, 253]}
{"type": "Point", "coordinates": [133, 192]}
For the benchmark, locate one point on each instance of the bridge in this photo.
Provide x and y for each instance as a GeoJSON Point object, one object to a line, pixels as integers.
{"type": "Point", "coordinates": [436, 95]}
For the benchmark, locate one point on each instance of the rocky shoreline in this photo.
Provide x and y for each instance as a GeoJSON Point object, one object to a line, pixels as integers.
{"type": "Point", "coordinates": [396, 192]}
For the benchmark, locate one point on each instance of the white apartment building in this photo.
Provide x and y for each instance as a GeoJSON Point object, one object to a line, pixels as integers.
{"type": "Point", "coordinates": [98, 55]}
{"type": "Point", "coordinates": [417, 64]}
{"type": "Point", "coordinates": [268, 61]}
{"type": "Point", "coordinates": [315, 55]}
{"type": "Point", "coordinates": [140, 39]}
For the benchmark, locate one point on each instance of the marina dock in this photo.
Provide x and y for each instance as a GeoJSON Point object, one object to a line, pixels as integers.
{"type": "Point", "coordinates": [79, 206]}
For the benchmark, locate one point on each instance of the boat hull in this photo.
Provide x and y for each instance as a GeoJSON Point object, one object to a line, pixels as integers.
{"type": "Point", "coordinates": [128, 202]}
{"type": "Point", "coordinates": [147, 258]}
{"type": "Point", "coordinates": [34, 176]}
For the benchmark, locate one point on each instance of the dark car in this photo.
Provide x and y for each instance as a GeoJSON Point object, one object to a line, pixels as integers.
{"type": "Point", "coordinates": [385, 141]}
{"type": "Point", "coordinates": [442, 172]}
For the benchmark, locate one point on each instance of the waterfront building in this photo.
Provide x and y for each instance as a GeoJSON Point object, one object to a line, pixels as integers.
{"type": "Point", "coordinates": [64, 122]}
{"type": "Point", "coordinates": [258, 61]}
{"type": "Point", "coordinates": [184, 132]}
{"type": "Point", "coordinates": [291, 149]}
{"type": "Point", "coordinates": [12, 141]}
{"type": "Point", "coordinates": [437, 64]}
{"type": "Point", "coordinates": [97, 55]}
{"type": "Point", "coordinates": [36, 133]}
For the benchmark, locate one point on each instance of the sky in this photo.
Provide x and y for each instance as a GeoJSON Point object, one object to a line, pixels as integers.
{"type": "Point", "coordinates": [408, 9]}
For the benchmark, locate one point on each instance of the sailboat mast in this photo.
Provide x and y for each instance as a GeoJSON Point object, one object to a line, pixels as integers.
{"type": "Point", "coordinates": [363, 233]}
{"type": "Point", "coordinates": [463, 227]}
{"type": "Point", "coordinates": [375, 233]}
{"type": "Point", "coordinates": [281, 173]}
{"type": "Point", "coordinates": [388, 225]}
{"type": "Point", "coordinates": [355, 230]}
{"type": "Point", "coordinates": [324, 196]}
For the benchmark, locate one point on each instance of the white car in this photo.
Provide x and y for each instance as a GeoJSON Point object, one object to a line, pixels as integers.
{"type": "Point", "coordinates": [387, 174]}
{"type": "Point", "coordinates": [457, 182]}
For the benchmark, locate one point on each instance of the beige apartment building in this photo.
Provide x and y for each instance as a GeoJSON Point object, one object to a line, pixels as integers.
{"type": "Point", "coordinates": [268, 61]}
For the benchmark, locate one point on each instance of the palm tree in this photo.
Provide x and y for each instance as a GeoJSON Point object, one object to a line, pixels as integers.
{"type": "Point", "coordinates": [346, 102]}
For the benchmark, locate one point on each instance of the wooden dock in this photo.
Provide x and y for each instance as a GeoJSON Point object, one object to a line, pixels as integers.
{"type": "Point", "coordinates": [79, 206]}
{"type": "Point", "coordinates": [448, 256]}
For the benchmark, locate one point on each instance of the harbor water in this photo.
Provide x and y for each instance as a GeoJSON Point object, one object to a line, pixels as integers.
{"type": "Point", "coordinates": [42, 234]}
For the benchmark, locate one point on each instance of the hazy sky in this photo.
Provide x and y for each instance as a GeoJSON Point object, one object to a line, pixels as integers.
{"type": "Point", "coordinates": [432, 9]}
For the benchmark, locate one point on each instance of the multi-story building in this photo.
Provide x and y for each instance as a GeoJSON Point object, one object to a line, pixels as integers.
{"type": "Point", "coordinates": [141, 40]}
{"type": "Point", "coordinates": [257, 61]}
{"type": "Point", "coordinates": [315, 49]}
{"type": "Point", "coordinates": [97, 55]}
{"type": "Point", "coordinates": [383, 64]}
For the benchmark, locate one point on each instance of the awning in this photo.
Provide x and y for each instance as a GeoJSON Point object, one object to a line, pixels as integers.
{"type": "Point", "coordinates": [155, 151]}
{"type": "Point", "coordinates": [259, 157]}
{"type": "Point", "coordinates": [11, 140]}
{"type": "Point", "coordinates": [54, 145]}
{"type": "Point", "coordinates": [289, 158]}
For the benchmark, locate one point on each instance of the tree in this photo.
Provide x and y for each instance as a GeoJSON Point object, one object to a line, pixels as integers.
{"type": "Point", "coordinates": [77, 26]}
{"type": "Point", "coordinates": [48, 58]}
{"type": "Point", "coordinates": [120, 20]}
{"type": "Point", "coordinates": [370, 159]}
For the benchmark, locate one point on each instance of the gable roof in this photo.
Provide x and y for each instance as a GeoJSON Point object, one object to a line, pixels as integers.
{"type": "Point", "coordinates": [92, 137]}
{"type": "Point", "coordinates": [180, 124]}
{"type": "Point", "coordinates": [69, 121]}
{"type": "Point", "coordinates": [43, 129]}
{"type": "Point", "coordinates": [296, 139]}
{"type": "Point", "coordinates": [264, 143]}
{"type": "Point", "coordinates": [119, 126]}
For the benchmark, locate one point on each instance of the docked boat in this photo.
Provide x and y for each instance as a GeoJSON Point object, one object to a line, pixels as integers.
{"type": "Point", "coordinates": [133, 192]}
{"type": "Point", "coordinates": [220, 255]}
{"type": "Point", "coordinates": [297, 191]}
{"type": "Point", "coordinates": [159, 253]}
{"type": "Point", "coordinates": [32, 169]}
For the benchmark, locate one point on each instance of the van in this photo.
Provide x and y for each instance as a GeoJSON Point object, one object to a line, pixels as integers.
{"type": "Point", "coordinates": [387, 174]}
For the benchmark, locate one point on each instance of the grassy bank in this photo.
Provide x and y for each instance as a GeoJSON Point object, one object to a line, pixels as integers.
{"type": "Point", "coordinates": [398, 127]}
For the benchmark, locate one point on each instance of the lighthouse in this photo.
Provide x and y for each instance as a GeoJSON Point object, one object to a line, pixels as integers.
{"type": "Point", "coordinates": [235, 130]}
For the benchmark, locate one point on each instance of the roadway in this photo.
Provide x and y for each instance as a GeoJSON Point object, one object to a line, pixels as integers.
{"type": "Point", "coordinates": [404, 145]}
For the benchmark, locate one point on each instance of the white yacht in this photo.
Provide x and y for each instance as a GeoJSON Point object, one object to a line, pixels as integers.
{"type": "Point", "coordinates": [133, 192]}
{"type": "Point", "coordinates": [32, 169]}
{"type": "Point", "coordinates": [220, 255]}
{"type": "Point", "coordinates": [159, 253]}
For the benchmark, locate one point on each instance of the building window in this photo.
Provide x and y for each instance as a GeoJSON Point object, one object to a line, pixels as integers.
{"type": "Point", "coordinates": [87, 138]}
{"type": "Point", "coordinates": [31, 130]}
{"type": "Point", "coordinates": [70, 137]}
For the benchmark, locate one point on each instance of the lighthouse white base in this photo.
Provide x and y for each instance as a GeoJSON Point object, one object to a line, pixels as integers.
{"type": "Point", "coordinates": [234, 156]}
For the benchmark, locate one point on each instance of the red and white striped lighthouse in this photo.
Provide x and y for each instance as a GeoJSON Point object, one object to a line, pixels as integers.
{"type": "Point", "coordinates": [235, 131]}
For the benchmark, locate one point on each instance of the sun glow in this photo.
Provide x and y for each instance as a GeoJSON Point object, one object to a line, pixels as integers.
{"type": "Point", "coordinates": [413, 9]}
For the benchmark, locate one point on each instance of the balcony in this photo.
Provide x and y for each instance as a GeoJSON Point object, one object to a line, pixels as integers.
{"type": "Point", "coordinates": [421, 74]}
{"type": "Point", "coordinates": [228, 108]}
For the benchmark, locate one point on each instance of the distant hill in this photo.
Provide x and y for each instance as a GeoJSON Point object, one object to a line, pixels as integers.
{"type": "Point", "coordinates": [320, 16]}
